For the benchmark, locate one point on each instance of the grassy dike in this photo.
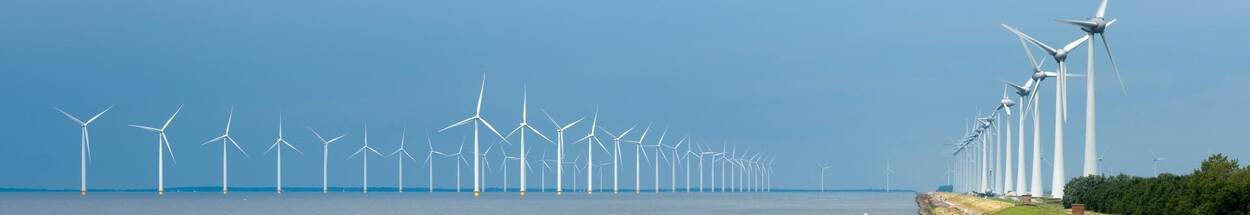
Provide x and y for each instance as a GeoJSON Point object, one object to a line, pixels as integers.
{"type": "Point", "coordinates": [940, 203]}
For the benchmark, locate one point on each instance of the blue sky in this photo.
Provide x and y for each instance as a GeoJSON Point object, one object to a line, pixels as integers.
{"type": "Point", "coordinates": [852, 83]}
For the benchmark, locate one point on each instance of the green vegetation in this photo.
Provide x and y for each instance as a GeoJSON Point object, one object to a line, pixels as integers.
{"type": "Point", "coordinates": [1029, 210]}
{"type": "Point", "coordinates": [1221, 186]}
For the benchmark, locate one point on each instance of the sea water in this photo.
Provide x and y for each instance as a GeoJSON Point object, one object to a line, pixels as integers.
{"type": "Point", "coordinates": [457, 203]}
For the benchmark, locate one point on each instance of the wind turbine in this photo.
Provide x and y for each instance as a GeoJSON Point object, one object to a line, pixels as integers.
{"type": "Point", "coordinates": [84, 148]}
{"type": "Point", "coordinates": [459, 155]}
{"type": "Point", "coordinates": [325, 157]}
{"type": "Point", "coordinates": [402, 140]}
{"type": "Point", "coordinates": [225, 140]}
{"type": "Point", "coordinates": [673, 164]}
{"type": "Point", "coordinates": [365, 158]}
{"type": "Point", "coordinates": [888, 171]}
{"type": "Point", "coordinates": [637, 160]}
{"type": "Point", "coordinates": [822, 175]}
{"type": "Point", "coordinates": [429, 157]}
{"type": "Point", "coordinates": [476, 119]}
{"type": "Point", "coordinates": [1061, 104]}
{"type": "Point", "coordinates": [1094, 25]}
{"type": "Point", "coordinates": [543, 176]}
{"type": "Point", "coordinates": [660, 146]}
{"type": "Point", "coordinates": [1155, 161]}
{"type": "Point", "coordinates": [616, 157]}
{"type": "Point", "coordinates": [560, 149]}
{"type": "Point", "coordinates": [522, 127]}
{"type": "Point", "coordinates": [280, 141]}
{"type": "Point", "coordinates": [591, 140]}
{"type": "Point", "coordinates": [1005, 104]}
{"type": "Point", "coordinates": [161, 145]}
{"type": "Point", "coordinates": [504, 163]}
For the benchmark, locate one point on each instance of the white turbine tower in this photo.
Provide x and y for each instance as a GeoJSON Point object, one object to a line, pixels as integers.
{"type": "Point", "coordinates": [325, 158]}
{"type": "Point", "coordinates": [402, 143]}
{"type": "Point", "coordinates": [226, 140]}
{"type": "Point", "coordinates": [1155, 161]}
{"type": "Point", "coordinates": [822, 175]}
{"type": "Point", "coordinates": [1061, 106]}
{"type": "Point", "coordinates": [365, 185]}
{"type": "Point", "coordinates": [280, 141]}
{"type": "Point", "coordinates": [429, 157]}
{"type": "Point", "coordinates": [523, 127]}
{"type": "Point", "coordinates": [477, 119]}
{"type": "Point", "coordinates": [560, 149]}
{"type": "Point", "coordinates": [616, 157]}
{"type": "Point", "coordinates": [638, 160]}
{"type": "Point", "coordinates": [1094, 25]}
{"type": "Point", "coordinates": [84, 147]}
{"type": "Point", "coordinates": [161, 145]}
{"type": "Point", "coordinates": [673, 163]}
{"type": "Point", "coordinates": [888, 171]}
{"type": "Point", "coordinates": [659, 145]}
{"type": "Point", "coordinates": [591, 140]}
{"type": "Point", "coordinates": [1005, 104]}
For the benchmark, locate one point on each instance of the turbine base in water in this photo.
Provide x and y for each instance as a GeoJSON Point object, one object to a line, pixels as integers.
{"type": "Point", "coordinates": [477, 194]}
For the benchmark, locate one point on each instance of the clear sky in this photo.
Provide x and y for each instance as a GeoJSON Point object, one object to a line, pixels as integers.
{"type": "Point", "coordinates": [849, 83]}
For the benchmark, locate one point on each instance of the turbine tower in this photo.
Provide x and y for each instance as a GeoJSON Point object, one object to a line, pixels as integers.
{"type": "Point", "coordinates": [402, 143]}
{"type": "Point", "coordinates": [616, 157]}
{"type": "Point", "coordinates": [591, 140]}
{"type": "Point", "coordinates": [84, 148]}
{"type": "Point", "coordinates": [1096, 25]}
{"type": "Point", "coordinates": [365, 158]}
{"type": "Point", "coordinates": [560, 149]}
{"type": "Point", "coordinates": [161, 145]}
{"type": "Point", "coordinates": [280, 141]}
{"type": "Point", "coordinates": [477, 119]}
{"type": "Point", "coordinates": [325, 158]}
{"type": "Point", "coordinates": [1005, 104]}
{"type": "Point", "coordinates": [822, 175]}
{"type": "Point", "coordinates": [523, 127]}
{"type": "Point", "coordinates": [638, 160]}
{"type": "Point", "coordinates": [429, 157]}
{"type": "Point", "coordinates": [226, 140]}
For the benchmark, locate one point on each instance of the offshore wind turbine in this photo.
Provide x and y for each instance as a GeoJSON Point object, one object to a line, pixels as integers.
{"type": "Point", "coordinates": [1096, 25]}
{"type": "Point", "coordinates": [591, 140]}
{"type": "Point", "coordinates": [616, 157]}
{"type": "Point", "coordinates": [888, 171]}
{"type": "Point", "coordinates": [523, 127]}
{"type": "Point", "coordinates": [402, 141]}
{"type": "Point", "coordinates": [325, 157]}
{"type": "Point", "coordinates": [1061, 106]}
{"type": "Point", "coordinates": [226, 140]}
{"type": "Point", "coordinates": [428, 161]}
{"type": "Point", "coordinates": [276, 143]}
{"type": "Point", "coordinates": [637, 160]}
{"type": "Point", "coordinates": [659, 145]}
{"type": "Point", "coordinates": [84, 147]}
{"type": "Point", "coordinates": [560, 149]}
{"type": "Point", "coordinates": [543, 176]}
{"type": "Point", "coordinates": [822, 175]}
{"type": "Point", "coordinates": [365, 158]}
{"type": "Point", "coordinates": [161, 145]}
{"type": "Point", "coordinates": [477, 119]}
{"type": "Point", "coordinates": [673, 164]}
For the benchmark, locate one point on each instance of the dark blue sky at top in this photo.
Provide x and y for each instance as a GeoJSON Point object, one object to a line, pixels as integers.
{"type": "Point", "coordinates": [849, 83]}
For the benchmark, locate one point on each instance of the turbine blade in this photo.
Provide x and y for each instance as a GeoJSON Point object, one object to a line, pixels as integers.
{"type": "Point", "coordinates": [275, 144]}
{"type": "Point", "coordinates": [1107, 45]}
{"type": "Point", "coordinates": [292, 147]}
{"type": "Point", "coordinates": [1102, 9]}
{"type": "Point", "coordinates": [236, 145]}
{"type": "Point", "coordinates": [553, 119]}
{"type": "Point", "coordinates": [171, 118]}
{"type": "Point", "coordinates": [214, 140]}
{"type": "Point", "coordinates": [570, 125]}
{"type": "Point", "coordinates": [540, 134]}
{"type": "Point", "coordinates": [480, 94]}
{"type": "Point", "coordinates": [510, 133]}
{"type": "Point", "coordinates": [1076, 43]}
{"type": "Point", "coordinates": [1081, 23]}
{"type": "Point", "coordinates": [71, 117]}
{"type": "Point", "coordinates": [314, 131]}
{"type": "Point", "coordinates": [461, 122]}
{"type": "Point", "coordinates": [335, 139]}
{"type": "Point", "coordinates": [357, 152]}
{"type": "Point", "coordinates": [146, 128]}
{"type": "Point", "coordinates": [171, 149]}
{"type": "Point", "coordinates": [1039, 44]}
{"type": "Point", "coordinates": [492, 129]}
{"type": "Point", "coordinates": [106, 110]}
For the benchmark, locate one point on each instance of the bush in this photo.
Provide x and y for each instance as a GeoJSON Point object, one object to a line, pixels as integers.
{"type": "Point", "coordinates": [1221, 186]}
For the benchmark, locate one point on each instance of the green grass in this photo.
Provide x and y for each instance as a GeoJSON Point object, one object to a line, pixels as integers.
{"type": "Point", "coordinates": [1028, 210]}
